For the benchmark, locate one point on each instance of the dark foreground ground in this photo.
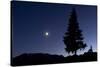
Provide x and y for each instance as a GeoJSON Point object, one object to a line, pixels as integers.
{"type": "Point", "coordinates": [39, 58]}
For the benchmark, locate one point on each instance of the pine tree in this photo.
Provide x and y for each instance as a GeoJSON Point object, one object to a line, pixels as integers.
{"type": "Point", "coordinates": [73, 38]}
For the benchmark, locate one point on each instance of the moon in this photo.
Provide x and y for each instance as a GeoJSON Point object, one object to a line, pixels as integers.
{"type": "Point", "coordinates": [46, 33]}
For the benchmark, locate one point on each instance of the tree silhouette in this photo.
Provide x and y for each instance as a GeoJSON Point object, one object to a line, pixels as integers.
{"type": "Point", "coordinates": [90, 50]}
{"type": "Point", "coordinates": [73, 38]}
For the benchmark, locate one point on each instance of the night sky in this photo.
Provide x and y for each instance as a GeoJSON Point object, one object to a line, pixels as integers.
{"type": "Point", "coordinates": [40, 27]}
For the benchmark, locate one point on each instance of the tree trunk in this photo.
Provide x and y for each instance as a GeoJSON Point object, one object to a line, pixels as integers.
{"type": "Point", "coordinates": [75, 52]}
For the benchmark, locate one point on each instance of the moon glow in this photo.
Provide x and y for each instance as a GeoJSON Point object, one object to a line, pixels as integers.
{"type": "Point", "coordinates": [46, 33]}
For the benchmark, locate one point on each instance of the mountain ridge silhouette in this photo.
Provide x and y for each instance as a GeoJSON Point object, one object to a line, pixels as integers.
{"type": "Point", "coordinates": [43, 58]}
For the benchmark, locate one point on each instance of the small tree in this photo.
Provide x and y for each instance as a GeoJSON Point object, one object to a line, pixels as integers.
{"type": "Point", "coordinates": [90, 50]}
{"type": "Point", "coordinates": [73, 38]}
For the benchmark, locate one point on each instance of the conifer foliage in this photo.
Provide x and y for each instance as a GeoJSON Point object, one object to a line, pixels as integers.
{"type": "Point", "coordinates": [73, 38]}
